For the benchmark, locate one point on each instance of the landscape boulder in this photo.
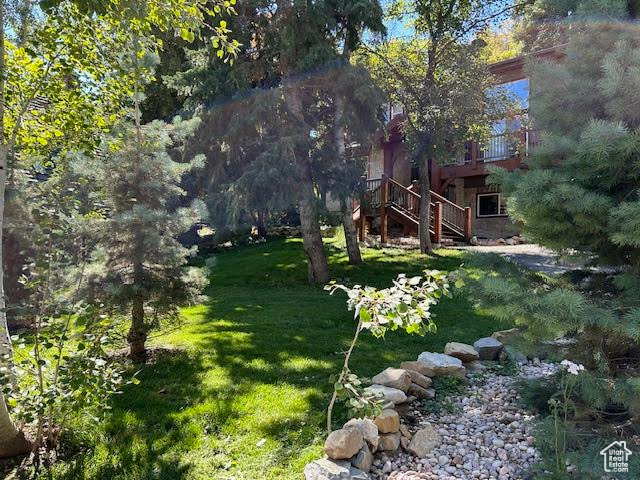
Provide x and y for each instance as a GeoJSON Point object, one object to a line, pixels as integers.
{"type": "Point", "coordinates": [327, 469]}
{"type": "Point", "coordinates": [388, 421]}
{"type": "Point", "coordinates": [363, 459]}
{"type": "Point", "coordinates": [367, 428]}
{"type": "Point", "coordinates": [419, 367]}
{"type": "Point", "coordinates": [512, 354]}
{"type": "Point", "coordinates": [343, 444]}
{"type": "Point", "coordinates": [488, 348]}
{"type": "Point", "coordinates": [442, 364]}
{"type": "Point", "coordinates": [505, 335]}
{"type": "Point", "coordinates": [464, 352]}
{"type": "Point", "coordinates": [475, 367]}
{"type": "Point", "coordinates": [421, 393]}
{"type": "Point", "coordinates": [389, 394]}
{"type": "Point", "coordinates": [424, 441]}
{"type": "Point", "coordinates": [394, 378]}
{"type": "Point", "coordinates": [420, 379]}
{"type": "Point", "coordinates": [389, 441]}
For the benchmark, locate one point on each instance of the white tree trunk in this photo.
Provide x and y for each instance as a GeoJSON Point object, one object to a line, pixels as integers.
{"type": "Point", "coordinates": [12, 442]}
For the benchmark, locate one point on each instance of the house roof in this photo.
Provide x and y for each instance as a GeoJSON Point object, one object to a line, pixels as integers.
{"type": "Point", "coordinates": [513, 68]}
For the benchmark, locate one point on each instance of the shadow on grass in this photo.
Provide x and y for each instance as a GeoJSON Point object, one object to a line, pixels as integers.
{"type": "Point", "coordinates": [258, 358]}
{"type": "Point", "coordinates": [273, 328]}
{"type": "Point", "coordinates": [147, 435]}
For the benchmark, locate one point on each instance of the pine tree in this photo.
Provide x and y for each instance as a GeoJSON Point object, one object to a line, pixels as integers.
{"type": "Point", "coordinates": [580, 195]}
{"type": "Point", "coordinates": [268, 120]}
{"type": "Point", "coordinates": [139, 269]}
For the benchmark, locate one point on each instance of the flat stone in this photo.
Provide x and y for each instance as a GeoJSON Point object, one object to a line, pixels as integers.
{"type": "Point", "coordinates": [389, 394]}
{"type": "Point", "coordinates": [389, 441]}
{"type": "Point", "coordinates": [388, 421]}
{"type": "Point", "coordinates": [420, 379]}
{"type": "Point", "coordinates": [404, 431]}
{"type": "Point", "coordinates": [442, 364]}
{"type": "Point", "coordinates": [343, 444]}
{"type": "Point", "coordinates": [394, 378]}
{"type": "Point", "coordinates": [464, 352]}
{"type": "Point", "coordinates": [424, 441]}
{"type": "Point", "coordinates": [420, 392]}
{"type": "Point", "coordinates": [419, 367]}
{"type": "Point", "coordinates": [363, 459]}
{"type": "Point", "coordinates": [327, 469]}
{"type": "Point", "coordinates": [367, 428]}
{"type": "Point", "coordinates": [488, 348]}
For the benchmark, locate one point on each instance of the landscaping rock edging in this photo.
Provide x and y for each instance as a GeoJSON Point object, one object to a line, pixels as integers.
{"type": "Point", "coordinates": [365, 447]}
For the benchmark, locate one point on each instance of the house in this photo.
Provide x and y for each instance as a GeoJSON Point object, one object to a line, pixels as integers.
{"type": "Point", "coordinates": [470, 206]}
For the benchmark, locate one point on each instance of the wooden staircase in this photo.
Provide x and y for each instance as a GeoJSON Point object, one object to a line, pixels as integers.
{"type": "Point", "coordinates": [386, 198]}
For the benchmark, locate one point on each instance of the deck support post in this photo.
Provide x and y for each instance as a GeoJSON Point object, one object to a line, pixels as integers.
{"type": "Point", "coordinates": [437, 222]}
{"type": "Point", "coordinates": [467, 223]}
{"type": "Point", "coordinates": [362, 226]}
{"type": "Point", "coordinates": [384, 199]}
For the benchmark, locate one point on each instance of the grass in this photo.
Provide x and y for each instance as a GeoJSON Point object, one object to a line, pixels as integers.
{"type": "Point", "coordinates": [242, 393]}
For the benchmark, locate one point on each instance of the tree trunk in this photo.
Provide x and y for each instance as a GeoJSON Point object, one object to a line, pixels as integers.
{"type": "Point", "coordinates": [12, 441]}
{"type": "Point", "coordinates": [425, 208]}
{"type": "Point", "coordinates": [311, 237]}
{"type": "Point", "coordinates": [137, 335]}
{"type": "Point", "coordinates": [261, 223]}
{"type": "Point", "coordinates": [350, 233]}
{"type": "Point", "coordinates": [318, 266]}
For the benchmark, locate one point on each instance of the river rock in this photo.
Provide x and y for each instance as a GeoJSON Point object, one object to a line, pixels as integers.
{"type": "Point", "coordinates": [342, 444]}
{"type": "Point", "coordinates": [442, 364]}
{"type": "Point", "coordinates": [367, 428]}
{"type": "Point", "coordinates": [464, 352]}
{"type": "Point", "coordinates": [488, 348]}
{"type": "Point", "coordinates": [424, 441]}
{"type": "Point", "coordinates": [394, 378]}
{"type": "Point", "coordinates": [389, 441]}
{"type": "Point", "coordinates": [419, 367]}
{"type": "Point", "coordinates": [327, 469]}
{"type": "Point", "coordinates": [388, 393]}
{"type": "Point", "coordinates": [388, 421]}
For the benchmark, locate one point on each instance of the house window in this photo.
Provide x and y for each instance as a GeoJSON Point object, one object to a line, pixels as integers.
{"type": "Point", "coordinates": [491, 205]}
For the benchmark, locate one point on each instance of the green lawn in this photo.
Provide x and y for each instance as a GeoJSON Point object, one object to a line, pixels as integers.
{"type": "Point", "coordinates": [252, 364]}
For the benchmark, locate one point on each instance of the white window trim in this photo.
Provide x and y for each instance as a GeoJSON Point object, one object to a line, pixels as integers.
{"type": "Point", "coordinates": [478, 215]}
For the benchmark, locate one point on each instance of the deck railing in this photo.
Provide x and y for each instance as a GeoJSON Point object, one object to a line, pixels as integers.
{"type": "Point", "coordinates": [385, 192]}
{"type": "Point", "coordinates": [501, 146]}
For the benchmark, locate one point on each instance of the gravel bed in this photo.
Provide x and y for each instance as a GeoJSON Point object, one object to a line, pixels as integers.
{"type": "Point", "coordinates": [486, 435]}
